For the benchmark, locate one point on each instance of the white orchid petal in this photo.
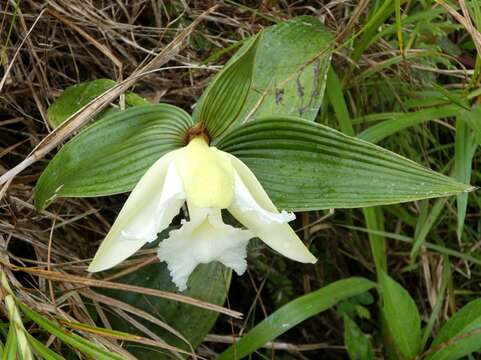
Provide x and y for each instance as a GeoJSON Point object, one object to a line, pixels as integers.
{"type": "Point", "coordinates": [253, 208]}
{"type": "Point", "coordinates": [203, 239]}
{"type": "Point", "coordinates": [246, 203]}
{"type": "Point", "coordinates": [149, 209]}
{"type": "Point", "coordinates": [163, 210]}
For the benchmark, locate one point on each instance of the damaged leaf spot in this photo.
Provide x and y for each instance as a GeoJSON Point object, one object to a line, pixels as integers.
{"type": "Point", "coordinates": [279, 95]}
{"type": "Point", "coordinates": [299, 87]}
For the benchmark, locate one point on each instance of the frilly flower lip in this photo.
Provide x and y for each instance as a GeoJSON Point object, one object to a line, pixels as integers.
{"type": "Point", "coordinates": [209, 180]}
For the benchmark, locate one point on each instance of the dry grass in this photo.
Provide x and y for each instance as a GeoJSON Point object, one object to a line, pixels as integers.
{"type": "Point", "coordinates": [49, 45]}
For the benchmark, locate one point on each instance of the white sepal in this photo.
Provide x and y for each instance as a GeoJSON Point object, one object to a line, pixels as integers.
{"type": "Point", "coordinates": [253, 208]}
{"type": "Point", "coordinates": [149, 209]}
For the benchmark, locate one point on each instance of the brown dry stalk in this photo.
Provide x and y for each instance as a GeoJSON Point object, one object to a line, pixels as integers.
{"type": "Point", "coordinates": [63, 277]}
{"type": "Point", "coordinates": [83, 116]}
{"type": "Point", "coordinates": [465, 21]}
{"type": "Point", "coordinates": [7, 71]}
{"type": "Point", "coordinates": [119, 336]}
{"type": "Point", "coordinates": [102, 48]}
{"type": "Point", "coordinates": [133, 310]}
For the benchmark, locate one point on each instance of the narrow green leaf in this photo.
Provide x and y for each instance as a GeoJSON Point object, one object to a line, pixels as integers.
{"type": "Point", "coordinates": [437, 248]}
{"type": "Point", "coordinates": [295, 312]}
{"type": "Point", "coordinates": [402, 317]}
{"type": "Point", "coordinates": [460, 335]}
{"type": "Point", "coordinates": [209, 282]}
{"type": "Point", "coordinates": [400, 122]}
{"type": "Point", "coordinates": [397, 11]}
{"type": "Point", "coordinates": [317, 167]}
{"type": "Point", "coordinates": [371, 27]}
{"type": "Point", "coordinates": [69, 338]}
{"type": "Point", "coordinates": [463, 156]}
{"type": "Point", "coordinates": [111, 155]}
{"type": "Point", "coordinates": [336, 99]}
{"type": "Point", "coordinates": [427, 219]}
{"type": "Point", "coordinates": [41, 349]}
{"type": "Point", "coordinates": [226, 95]}
{"type": "Point", "coordinates": [77, 96]}
{"type": "Point", "coordinates": [10, 351]}
{"type": "Point", "coordinates": [375, 221]}
{"type": "Point", "coordinates": [358, 345]}
{"type": "Point", "coordinates": [472, 118]}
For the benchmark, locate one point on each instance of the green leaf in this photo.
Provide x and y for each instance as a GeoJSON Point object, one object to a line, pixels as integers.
{"type": "Point", "coordinates": [111, 155]}
{"type": "Point", "coordinates": [358, 345]}
{"type": "Point", "coordinates": [208, 283]}
{"type": "Point", "coordinates": [464, 146]}
{"type": "Point", "coordinates": [472, 118]}
{"type": "Point", "coordinates": [77, 96]}
{"type": "Point", "coordinates": [10, 351]}
{"type": "Point", "coordinates": [69, 338]}
{"type": "Point", "coordinates": [293, 84]}
{"type": "Point", "coordinates": [401, 315]}
{"type": "Point", "coordinates": [336, 98]}
{"type": "Point", "coordinates": [42, 350]}
{"type": "Point", "coordinates": [295, 312]}
{"type": "Point", "coordinates": [402, 121]}
{"type": "Point", "coordinates": [290, 72]}
{"type": "Point", "coordinates": [460, 335]}
{"type": "Point", "coordinates": [305, 166]}
{"type": "Point", "coordinates": [225, 97]}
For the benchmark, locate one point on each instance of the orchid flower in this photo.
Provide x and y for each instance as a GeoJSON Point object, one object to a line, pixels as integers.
{"type": "Point", "coordinates": [208, 180]}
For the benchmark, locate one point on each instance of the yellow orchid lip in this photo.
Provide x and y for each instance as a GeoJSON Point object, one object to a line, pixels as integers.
{"type": "Point", "coordinates": [208, 180]}
{"type": "Point", "coordinates": [207, 175]}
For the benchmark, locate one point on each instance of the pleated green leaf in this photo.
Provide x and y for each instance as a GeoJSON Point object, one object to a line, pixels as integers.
{"type": "Point", "coordinates": [290, 69]}
{"type": "Point", "coordinates": [290, 72]}
{"type": "Point", "coordinates": [77, 96]}
{"type": "Point", "coordinates": [226, 95]}
{"type": "Point", "coordinates": [305, 166]}
{"type": "Point", "coordinates": [295, 312]}
{"type": "Point", "coordinates": [110, 156]}
{"type": "Point", "coordinates": [460, 336]}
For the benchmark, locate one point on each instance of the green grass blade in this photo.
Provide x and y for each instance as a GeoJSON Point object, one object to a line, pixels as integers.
{"type": "Point", "coordinates": [425, 224]}
{"type": "Point", "coordinates": [69, 338]}
{"type": "Point", "coordinates": [462, 169]}
{"type": "Point", "coordinates": [41, 349]}
{"type": "Point", "coordinates": [295, 312]}
{"type": "Point", "coordinates": [375, 221]}
{"type": "Point", "coordinates": [10, 351]}
{"type": "Point", "coordinates": [336, 99]}
{"type": "Point", "coordinates": [371, 28]}
{"type": "Point", "coordinates": [397, 11]}
{"type": "Point", "coordinates": [437, 248]}
{"type": "Point", "coordinates": [389, 127]}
